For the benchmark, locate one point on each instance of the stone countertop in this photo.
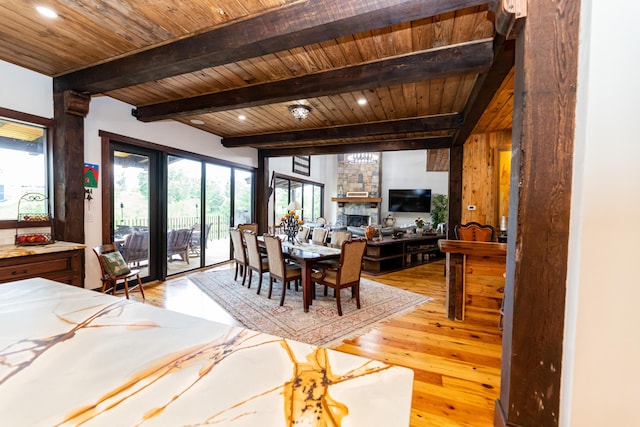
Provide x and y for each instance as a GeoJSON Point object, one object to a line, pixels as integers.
{"type": "Point", "coordinates": [13, 251]}
{"type": "Point", "coordinates": [89, 358]}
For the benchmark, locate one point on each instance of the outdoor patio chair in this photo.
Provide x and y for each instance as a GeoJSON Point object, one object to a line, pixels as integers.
{"type": "Point", "coordinates": [136, 247]}
{"type": "Point", "coordinates": [178, 244]}
{"type": "Point", "coordinates": [198, 239]}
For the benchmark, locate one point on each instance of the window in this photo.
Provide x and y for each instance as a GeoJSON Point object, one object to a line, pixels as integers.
{"type": "Point", "coordinates": [309, 194]}
{"type": "Point", "coordinates": [23, 161]}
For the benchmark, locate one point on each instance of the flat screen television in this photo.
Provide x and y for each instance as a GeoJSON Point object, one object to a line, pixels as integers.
{"type": "Point", "coordinates": [410, 200]}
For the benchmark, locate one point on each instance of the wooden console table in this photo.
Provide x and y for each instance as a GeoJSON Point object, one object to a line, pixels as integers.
{"type": "Point", "coordinates": [475, 279]}
{"type": "Point", "coordinates": [59, 261]}
{"type": "Point", "coordinates": [395, 254]}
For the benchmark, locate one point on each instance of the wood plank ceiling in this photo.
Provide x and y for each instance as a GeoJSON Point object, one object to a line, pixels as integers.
{"type": "Point", "coordinates": [427, 69]}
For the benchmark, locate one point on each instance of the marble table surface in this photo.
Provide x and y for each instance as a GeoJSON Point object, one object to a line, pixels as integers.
{"type": "Point", "coordinates": [71, 356]}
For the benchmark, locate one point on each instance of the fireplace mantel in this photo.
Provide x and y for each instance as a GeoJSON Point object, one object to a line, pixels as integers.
{"type": "Point", "coordinates": [373, 201]}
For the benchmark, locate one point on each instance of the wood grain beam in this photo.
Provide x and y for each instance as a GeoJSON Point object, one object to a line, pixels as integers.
{"type": "Point", "coordinates": [509, 16]}
{"type": "Point", "coordinates": [299, 24]}
{"type": "Point", "coordinates": [486, 86]}
{"type": "Point", "coordinates": [369, 146]}
{"type": "Point", "coordinates": [416, 124]}
{"type": "Point", "coordinates": [464, 58]}
{"type": "Point", "coordinates": [546, 78]}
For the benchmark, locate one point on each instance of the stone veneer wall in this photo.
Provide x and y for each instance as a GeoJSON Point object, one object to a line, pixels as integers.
{"type": "Point", "coordinates": [358, 177]}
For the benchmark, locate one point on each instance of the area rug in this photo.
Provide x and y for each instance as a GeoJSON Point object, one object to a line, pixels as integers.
{"type": "Point", "coordinates": [321, 325]}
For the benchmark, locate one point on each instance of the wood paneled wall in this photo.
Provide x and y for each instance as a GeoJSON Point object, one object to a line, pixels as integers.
{"type": "Point", "coordinates": [481, 177]}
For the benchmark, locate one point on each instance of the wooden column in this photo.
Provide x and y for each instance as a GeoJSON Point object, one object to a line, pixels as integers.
{"type": "Point", "coordinates": [455, 187]}
{"type": "Point", "coordinates": [70, 109]}
{"type": "Point", "coordinates": [540, 196]}
{"type": "Point", "coordinates": [262, 193]}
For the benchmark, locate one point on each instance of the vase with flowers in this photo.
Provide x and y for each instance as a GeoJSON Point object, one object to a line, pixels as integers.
{"type": "Point", "coordinates": [419, 225]}
{"type": "Point", "coordinates": [290, 224]}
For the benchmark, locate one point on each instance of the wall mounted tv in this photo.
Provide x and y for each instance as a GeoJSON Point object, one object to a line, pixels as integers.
{"type": "Point", "coordinates": [409, 200]}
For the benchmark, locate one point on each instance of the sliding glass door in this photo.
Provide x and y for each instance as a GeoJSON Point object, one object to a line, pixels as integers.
{"type": "Point", "coordinates": [217, 213]}
{"type": "Point", "coordinates": [171, 212]}
{"type": "Point", "coordinates": [133, 191]}
{"type": "Point", "coordinates": [184, 198]}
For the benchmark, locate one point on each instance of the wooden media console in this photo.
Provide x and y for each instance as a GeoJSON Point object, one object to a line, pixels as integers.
{"type": "Point", "coordinates": [391, 254]}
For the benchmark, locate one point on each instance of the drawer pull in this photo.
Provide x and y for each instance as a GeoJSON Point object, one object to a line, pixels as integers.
{"type": "Point", "coordinates": [15, 272]}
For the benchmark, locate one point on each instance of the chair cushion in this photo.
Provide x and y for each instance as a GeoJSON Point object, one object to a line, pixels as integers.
{"type": "Point", "coordinates": [115, 265]}
{"type": "Point", "coordinates": [326, 276]}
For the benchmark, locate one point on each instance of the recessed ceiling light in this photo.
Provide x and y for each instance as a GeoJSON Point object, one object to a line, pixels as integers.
{"type": "Point", "coordinates": [242, 117]}
{"type": "Point", "coordinates": [46, 12]}
{"type": "Point", "coordinates": [362, 101]}
{"type": "Point", "coordinates": [197, 122]}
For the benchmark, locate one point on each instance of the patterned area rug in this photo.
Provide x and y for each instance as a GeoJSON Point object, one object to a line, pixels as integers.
{"type": "Point", "coordinates": [321, 325]}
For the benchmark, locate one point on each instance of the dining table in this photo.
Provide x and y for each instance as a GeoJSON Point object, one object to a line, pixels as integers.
{"type": "Point", "coordinates": [306, 255]}
{"type": "Point", "coordinates": [72, 356]}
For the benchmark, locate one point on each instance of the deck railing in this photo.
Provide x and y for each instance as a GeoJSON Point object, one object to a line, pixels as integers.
{"type": "Point", "coordinates": [219, 225]}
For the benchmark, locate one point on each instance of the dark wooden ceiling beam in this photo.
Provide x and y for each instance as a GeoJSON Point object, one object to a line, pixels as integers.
{"type": "Point", "coordinates": [362, 147]}
{"type": "Point", "coordinates": [296, 25]}
{"type": "Point", "coordinates": [486, 86]}
{"type": "Point", "coordinates": [400, 126]}
{"type": "Point", "coordinates": [465, 58]}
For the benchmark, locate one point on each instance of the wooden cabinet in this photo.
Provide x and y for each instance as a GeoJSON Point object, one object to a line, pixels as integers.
{"type": "Point", "coordinates": [395, 254]}
{"type": "Point", "coordinates": [65, 266]}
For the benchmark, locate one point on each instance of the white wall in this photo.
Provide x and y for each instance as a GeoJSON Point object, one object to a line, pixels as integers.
{"type": "Point", "coordinates": [113, 116]}
{"type": "Point", "coordinates": [26, 91]}
{"type": "Point", "coordinates": [601, 379]}
{"type": "Point", "coordinates": [407, 170]}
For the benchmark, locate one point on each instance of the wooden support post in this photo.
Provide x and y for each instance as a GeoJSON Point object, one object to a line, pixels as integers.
{"type": "Point", "coordinates": [70, 108]}
{"type": "Point", "coordinates": [539, 215]}
{"type": "Point", "coordinates": [262, 193]}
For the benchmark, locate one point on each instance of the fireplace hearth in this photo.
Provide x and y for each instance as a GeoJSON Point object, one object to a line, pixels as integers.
{"type": "Point", "coordinates": [357, 220]}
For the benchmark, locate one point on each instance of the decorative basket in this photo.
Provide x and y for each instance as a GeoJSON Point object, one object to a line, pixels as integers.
{"type": "Point", "coordinates": [30, 215]}
{"type": "Point", "coordinates": [33, 239]}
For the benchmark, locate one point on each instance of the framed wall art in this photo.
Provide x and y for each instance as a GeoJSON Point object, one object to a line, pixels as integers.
{"type": "Point", "coordinates": [302, 165]}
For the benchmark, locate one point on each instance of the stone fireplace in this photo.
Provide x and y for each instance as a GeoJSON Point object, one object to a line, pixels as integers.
{"type": "Point", "coordinates": [358, 177]}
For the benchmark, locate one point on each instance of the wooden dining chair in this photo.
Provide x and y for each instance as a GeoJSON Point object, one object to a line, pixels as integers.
{"type": "Point", "coordinates": [115, 271]}
{"type": "Point", "coordinates": [239, 254]}
{"type": "Point", "coordinates": [256, 261]}
{"type": "Point", "coordinates": [303, 234]}
{"type": "Point", "coordinates": [346, 274]}
{"type": "Point", "coordinates": [249, 226]}
{"type": "Point", "coordinates": [319, 235]}
{"type": "Point", "coordinates": [474, 231]}
{"type": "Point", "coordinates": [337, 237]}
{"type": "Point", "coordinates": [278, 268]}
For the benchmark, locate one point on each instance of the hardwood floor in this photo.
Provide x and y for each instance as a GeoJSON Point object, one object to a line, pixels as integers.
{"type": "Point", "coordinates": [456, 364]}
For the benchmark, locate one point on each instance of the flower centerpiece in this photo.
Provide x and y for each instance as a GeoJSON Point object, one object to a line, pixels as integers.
{"type": "Point", "coordinates": [290, 224]}
{"type": "Point", "coordinates": [420, 222]}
